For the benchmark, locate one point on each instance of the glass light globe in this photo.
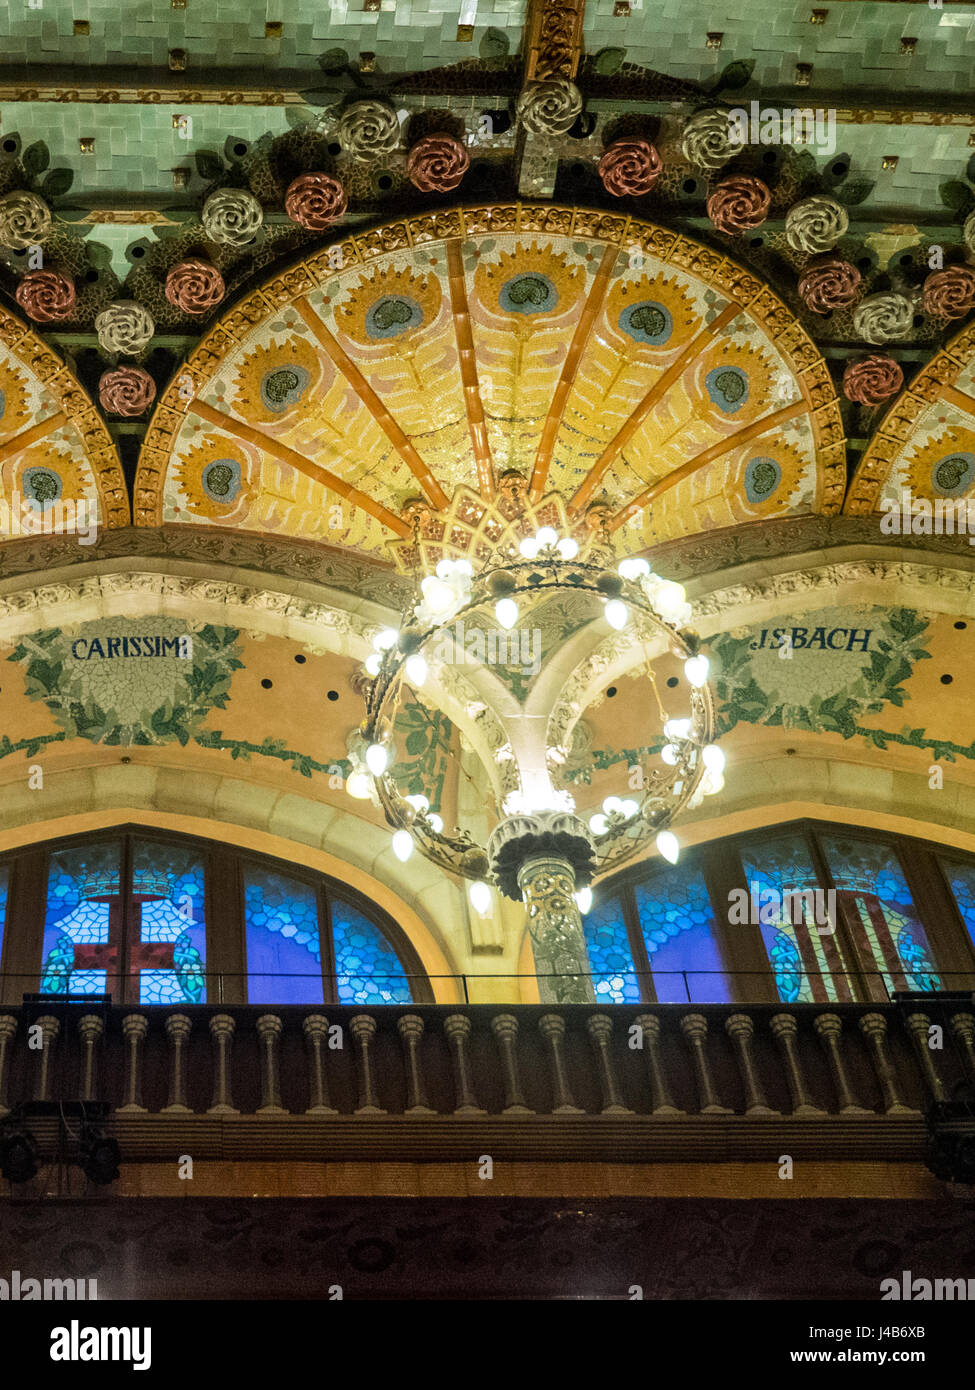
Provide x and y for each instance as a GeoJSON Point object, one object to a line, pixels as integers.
{"type": "Point", "coordinates": [377, 759]}
{"type": "Point", "coordinates": [402, 845]}
{"type": "Point", "coordinates": [464, 567]}
{"type": "Point", "coordinates": [713, 758]}
{"type": "Point", "coordinates": [630, 808]}
{"type": "Point", "coordinates": [373, 664]}
{"type": "Point", "coordinates": [445, 568]}
{"type": "Point", "coordinates": [529, 547]}
{"type": "Point", "coordinates": [386, 639]}
{"type": "Point", "coordinates": [568, 548]}
{"type": "Point", "coordinates": [669, 846]}
{"type": "Point", "coordinates": [359, 785]}
{"type": "Point", "coordinates": [616, 613]}
{"type": "Point", "coordinates": [584, 900]}
{"type": "Point", "coordinates": [435, 822]}
{"type": "Point", "coordinates": [418, 802]}
{"type": "Point", "coordinates": [677, 728]}
{"type": "Point", "coordinates": [438, 594]}
{"type": "Point", "coordinates": [696, 670]}
{"type": "Point", "coordinates": [546, 536]}
{"type": "Point", "coordinates": [670, 754]}
{"type": "Point", "coordinates": [480, 896]}
{"type": "Point", "coordinates": [613, 806]}
{"type": "Point", "coordinates": [633, 568]}
{"type": "Point", "coordinates": [668, 598]}
{"type": "Point", "coordinates": [416, 669]}
{"type": "Point", "coordinates": [713, 783]}
{"type": "Point", "coordinates": [506, 612]}
{"type": "Point", "coordinates": [598, 824]}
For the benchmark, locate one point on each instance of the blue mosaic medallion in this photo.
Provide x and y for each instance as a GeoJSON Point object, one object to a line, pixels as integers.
{"type": "Point", "coordinates": [283, 387]}
{"type": "Point", "coordinates": [728, 388]}
{"type": "Point", "coordinates": [529, 294]}
{"type": "Point", "coordinates": [762, 477]}
{"type": "Point", "coordinates": [221, 481]}
{"type": "Point", "coordinates": [648, 322]}
{"type": "Point", "coordinates": [41, 486]}
{"type": "Point", "coordinates": [392, 316]}
{"type": "Point", "coordinates": [953, 474]}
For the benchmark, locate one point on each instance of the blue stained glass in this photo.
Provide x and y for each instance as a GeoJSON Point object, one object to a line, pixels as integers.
{"type": "Point", "coordinates": [872, 874]}
{"type": "Point", "coordinates": [77, 879]}
{"type": "Point", "coordinates": [610, 958]}
{"type": "Point", "coordinates": [678, 930]}
{"type": "Point", "coordinates": [368, 970]}
{"type": "Point", "coordinates": [283, 947]}
{"type": "Point", "coordinates": [776, 871]}
{"type": "Point", "coordinates": [170, 876]}
{"type": "Point", "coordinates": [961, 877]}
{"type": "Point", "coordinates": [4, 886]}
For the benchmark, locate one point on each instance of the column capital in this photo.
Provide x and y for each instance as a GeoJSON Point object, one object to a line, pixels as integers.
{"type": "Point", "coordinates": [363, 1027]}
{"type": "Point", "coordinates": [269, 1026]}
{"type": "Point", "coordinates": [783, 1026]}
{"type": "Point", "coordinates": [222, 1025]}
{"type": "Point", "coordinates": [457, 1026]}
{"type": "Point", "coordinates": [410, 1026]}
{"type": "Point", "coordinates": [739, 1026]}
{"type": "Point", "coordinates": [178, 1026]}
{"type": "Point", "coordinates": [314, 1026]}
{"type": "Point", "coordinates": [135, 1025]}
{"type": "Point", "coordinates": [504, 1026]}
{"type": "Point", "coordinates": [599, 1027]}
{"type": "Point", "coordinates": [91, 1026]}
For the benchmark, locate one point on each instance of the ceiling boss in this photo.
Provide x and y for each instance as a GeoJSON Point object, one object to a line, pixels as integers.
{"type": "Point", "coordinates": [487, 579]}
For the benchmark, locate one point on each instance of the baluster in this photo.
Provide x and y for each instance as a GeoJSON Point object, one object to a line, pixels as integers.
{"type": "Point", "coordinates": [660, 1096]}
{"type": "Point", "coordinates": [269, 1030]}
{"type": "Point", "coordinates": [828, 1028]}
{"type": "Point", "coordinates": [8, 1030]}
{"type": "Point", "coordinates": [505, 1029]}
{"type": "Point", "coordinates": [918, 1025]}
{"type": "Point", "coordinates": [600, 1029]}
{"type": "Point", "coordinates": [134, 1029]}
{"type": "Point", "coordinates": [410, 1029]}
{"type": "Point", "coordinates": [458, 1029]}
{"type": "Point", "coordinates": [874, 1029]}
{"type": "Point", "coordinates": [785, 1030]}
{"type": "Point", "coordinates": [50, 1028]}
{"type": "Point", "coordinates": [315, 1029]}
{"type": "Point", "coordinates": [695, 1030]}
{"type": "Point", "coordinates": [741, 1029]}
{"type": "Point", "coordinates": [363, 1029]}
{"type": "Point", "coordinates": [222, 1027]}
{"type": "Point", "coordinates": [963, 1028]}
{"type": "Point", "coordinates": [90, 1027]}
{"type": "Point", "coordinates": [552, 1029]}
{"type": "Point", "coordinates": [178, 1028]}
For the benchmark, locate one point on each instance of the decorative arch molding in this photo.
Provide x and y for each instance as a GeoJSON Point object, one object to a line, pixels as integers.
{"type": "Point", "coordinates": [936, 414]}
{"type": "Point", "coordinates": [49, 422]}
{"type": "Point", "coordinates": [275, 837]}
{"type": "Point", "coordinates": [344, 424]}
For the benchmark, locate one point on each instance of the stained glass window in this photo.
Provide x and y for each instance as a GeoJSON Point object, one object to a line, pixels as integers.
{"type": "Point", "coordinates": [368, 970]}
{"type": "Point", "coordinates": [284, 958]}
{"type": "Point", "coordinates": [880, 913]}
{"type": "Point", "coordinates": [82, 901]}
{"type": "Point", "coordinates": [4, 885]}
{"type": "Point", "coordinates": [961, 878]}
{"type": "Point", "coordinates": [677, 923]}
{"type": "Point", "coordinates": [797, 920]}
{"type": "Point", "coordinates": [168, 901]}
{"type": "Point", "coordinates": [610, 957]}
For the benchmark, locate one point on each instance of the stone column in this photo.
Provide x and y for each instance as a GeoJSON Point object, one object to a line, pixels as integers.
{"type": "Point", "coordinates": [552, 1029]}
{"type": "Point", "coordinates": [600, 1029]}
{"type": "Point", "coordinates": [505, 1029]}
{"type": "Point", "coordinates": [540, 860]}
{"type": "Point", "coordinates": [458, 1029]}
{"type": "Point", "coordinates": [874, 1029]}
{"type": "Point", "coordinates": [740, 1029]}
{"type": "Point", "coordinates": [178, 1028]}
{"type": "Point", "coordinates": [785, 1030]}
{"type": "Point", "coordinates": [50, 1027]}
{"type": "Point", "coordinates": [8, 1030]}
{"type": "Point", "coordinates": [91, 1027]}
{"type": "Point", "coordinates": [134, 1029]}
{"type": "Point", "coordinates": [410, 1029]}
{"type": "Point", "coordinates": [269, 1029]}
{"type": "Point", "coordinates": [660, 1097]}
{"type": "Point", "coordinates": [315, 1029]}
{"type": "Point", "coordinates": [222, 1028]}
{"type": "Point", "coordinates": [695, 1030]}
{"type": "Point", "coordinates": [363, 1030]}
{"type": "Point", "coordinates": [829, 1028]}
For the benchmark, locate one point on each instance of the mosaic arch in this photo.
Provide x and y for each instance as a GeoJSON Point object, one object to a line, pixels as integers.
{"type": "Point", "coordinates": [925, 444]}
{"type": "Point", "coordinates": [603, 357]}
{"type": "Point", "coordinates": [54, 445]}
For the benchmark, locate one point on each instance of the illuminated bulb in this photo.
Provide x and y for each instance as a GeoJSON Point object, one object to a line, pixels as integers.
{"type": "Point", "coordinates": [435, 822]}
{"type": "Point", "coordinates": [612, 806]}
{"type": "Point", "coordinates": [464, 567]}
{"type": "Point", "coordinates": [438, 594]}
{"type": "Point", "coordinates": [480, 896]}
{"type": "Point", "coordinates": [712, 783]}
{"type": "Point", "coordinates": [418, 802]}
{"type": "Point", "coordinates": [377, 759]}
{"type": "Point", "coordinates": [633, 568]}
{"type": "Point", "coordinates": [713, 759]}
{"type": "Point", "coordinates": [506, 612]}
{"type": "Point", "coordinates": [386, 639]}
{"type": "Point", "coordinates": [677, 728]}
{"type": "Point", "coordinates": [546, 536]}
{"type": "Point", "coordinates": [669, 846]}
{"type": "Point", "coordinates": [568, 548]}
{"type": "Point", "coordinates": [359, 785]}
{"type": "Point", "coordinates": [598, 824]}
{"type": "Point", "coordinates": [416, 669]}
{"type": "Point", "coordinates": [584, 900]}
{"type": "Point", "coordinates": [445, 568]}
{"type": "Point", "coordinates": [616, 613]}
{"type": "Point", "coordinates": [529, 548]}
{"type": "Point", "coordinates": [669, 754]}
{"type": "Point", "coordinates": [402, 845]}
{"type": "Point", "coordinates": [373, 662]}
{"type": "Point", "coordinates": [630, 808]}
{"type": "Point", "coordinates": [668, 598]}
{"type": "Point", "coordinates": [696, 670]}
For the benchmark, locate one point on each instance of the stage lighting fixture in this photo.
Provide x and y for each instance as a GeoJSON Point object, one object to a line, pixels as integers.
{"type": "Point", "coordinates": [18, 1156]}
{"type": "Point", "coordinates": [99, 1157]}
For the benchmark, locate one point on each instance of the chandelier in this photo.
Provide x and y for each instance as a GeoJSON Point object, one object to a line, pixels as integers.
{"type": "Point", "coordinates": [540, 851]}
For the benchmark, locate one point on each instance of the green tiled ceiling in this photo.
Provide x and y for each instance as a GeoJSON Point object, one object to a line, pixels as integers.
{"type": "Point", "coordinates": [224, 35]}
{"type": "Point", "coordinates": [857, 46]}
